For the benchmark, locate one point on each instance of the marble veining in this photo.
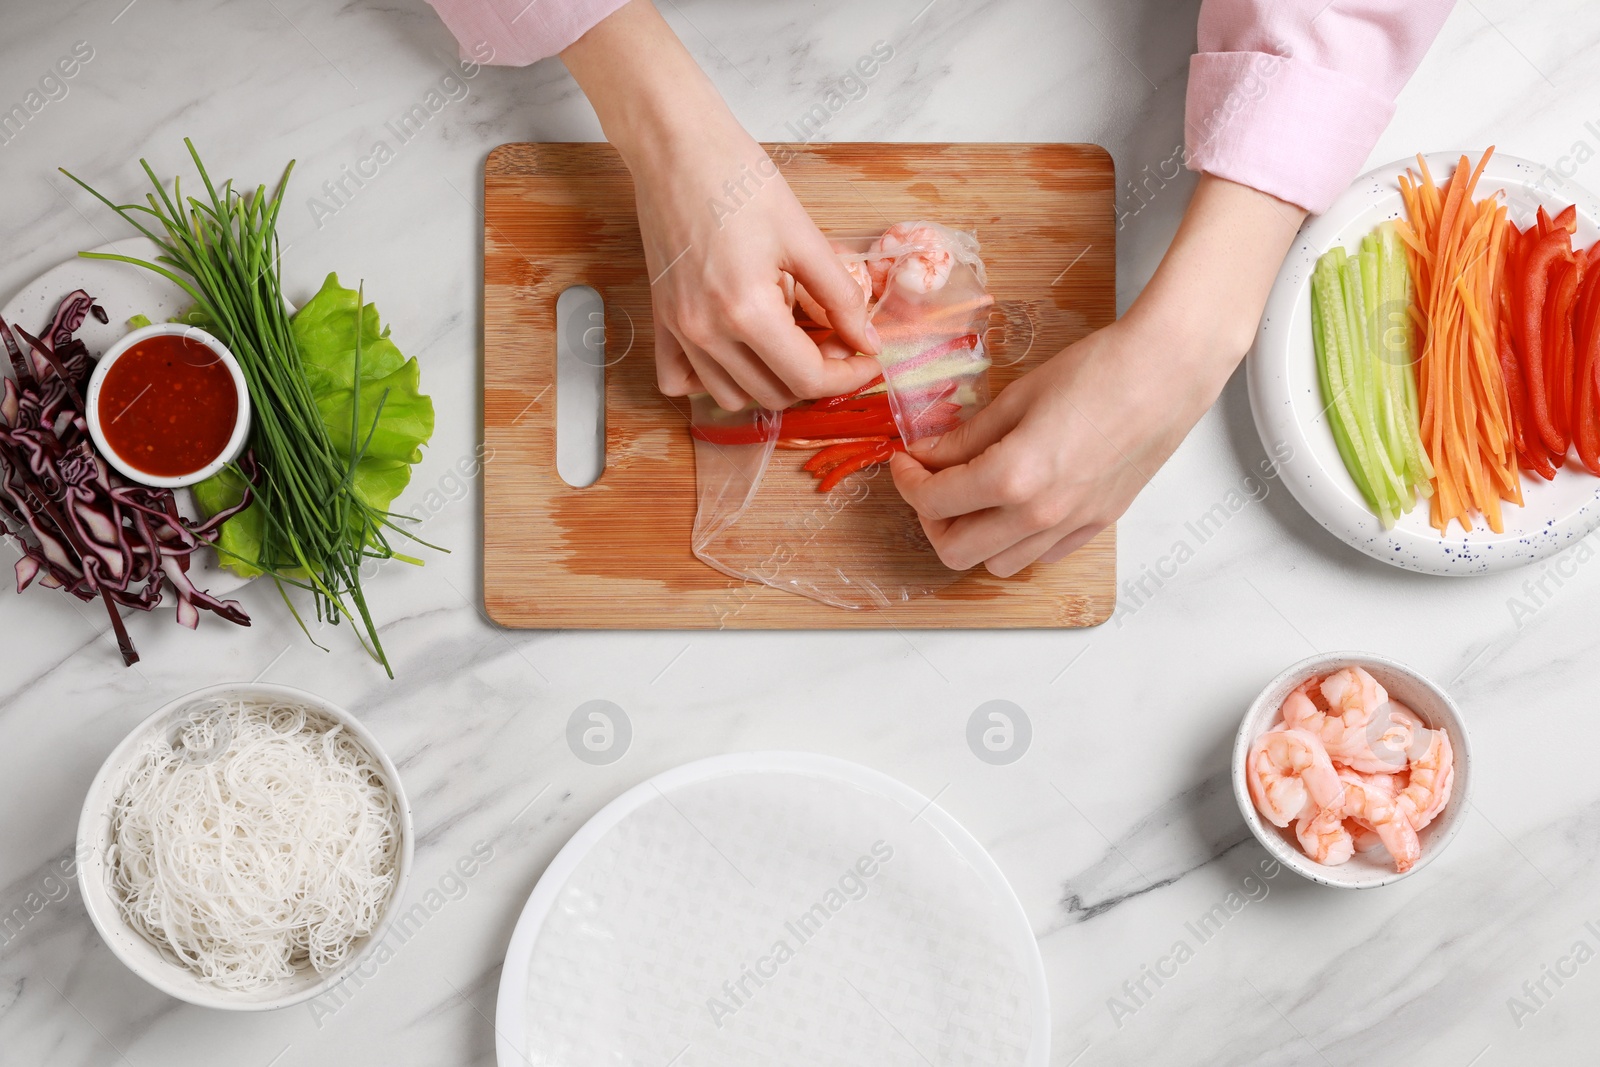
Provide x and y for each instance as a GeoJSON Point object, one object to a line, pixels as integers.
{"type": "Point", "coordinates": [1116, 827]}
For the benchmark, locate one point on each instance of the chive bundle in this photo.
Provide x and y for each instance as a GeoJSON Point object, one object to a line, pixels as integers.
{"type": "Point", "coordinates": [318, 531]}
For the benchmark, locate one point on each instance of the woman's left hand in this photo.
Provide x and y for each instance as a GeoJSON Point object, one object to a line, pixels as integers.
{"type": "Point", "coordinates": [1058, 455]}
{"type": "Point", "coordinates": [1061, 452]}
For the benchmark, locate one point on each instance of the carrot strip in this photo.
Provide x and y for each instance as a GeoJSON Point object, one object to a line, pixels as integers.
{"type": "Point", "coordinates": [1457, 248]}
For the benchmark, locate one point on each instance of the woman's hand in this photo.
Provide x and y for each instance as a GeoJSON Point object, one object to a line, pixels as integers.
{"type": "Point", "coordinates": [1058, 455]}
{"type": "Point", "coordinates": [1062, 452]}
{"type": "Point", "coordinates": [721, 230]}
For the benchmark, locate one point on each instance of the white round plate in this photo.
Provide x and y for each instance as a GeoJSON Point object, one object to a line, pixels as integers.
{"type": "Point", "coordinates": [124, 291]}
{"type": "Point", "coordinates": [772, 908]}
{"type": "Point", "coordinates": [1286, 397]}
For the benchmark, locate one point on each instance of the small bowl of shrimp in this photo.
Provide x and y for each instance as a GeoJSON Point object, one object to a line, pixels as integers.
{"type": "Point", "coordinates": [1352, 770]}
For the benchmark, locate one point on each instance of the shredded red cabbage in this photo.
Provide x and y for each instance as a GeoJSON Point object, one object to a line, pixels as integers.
{"type": "Point", "coordinates": [81, 526]}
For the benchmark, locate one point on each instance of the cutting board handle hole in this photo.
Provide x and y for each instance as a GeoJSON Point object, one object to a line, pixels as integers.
{"type": "Point", "coordinates": [580, 386]}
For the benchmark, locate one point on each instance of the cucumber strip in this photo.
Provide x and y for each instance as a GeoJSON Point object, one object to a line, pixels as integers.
{"type": "Point", "coordinates": [1374, 308]}
{"type": "Point", "coordinates": [1340, 385]}
{"type": "Point", "coordinates": [1398, 278]}
{"type": "Point", "coordinates": [1353, 348]}
{"type": "Point", "coordinates": [1322, 342]}
{"type": "Point", "coordinates": [1365, 350]}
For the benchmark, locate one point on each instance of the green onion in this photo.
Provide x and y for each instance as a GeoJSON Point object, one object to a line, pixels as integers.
{"type": "Point", "coordinates": [223, 251]}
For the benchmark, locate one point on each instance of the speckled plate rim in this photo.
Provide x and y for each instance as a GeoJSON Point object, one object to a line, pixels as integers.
{"type": "Point", "coordinates": [511, 1035]}
{"type": "Point", "coordinates": [1285, 396]}
{"type": "Point", "coordinates": [1435, 837]}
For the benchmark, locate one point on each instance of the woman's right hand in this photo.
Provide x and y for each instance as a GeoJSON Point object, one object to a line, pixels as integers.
{"type": "Point", "coordinates": [721, 230]}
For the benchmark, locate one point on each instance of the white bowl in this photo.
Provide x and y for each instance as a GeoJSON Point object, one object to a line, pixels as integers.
{"type": "Point", "coordinates": [241, 422]}
{"type": "Point", "coordinates": [145, 959]}
{"type": "Point", "coordinates": [1432, 705]}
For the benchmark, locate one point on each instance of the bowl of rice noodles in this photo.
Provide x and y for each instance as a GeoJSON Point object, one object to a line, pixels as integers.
{"type": "Point", "coordinates": [246, 848]}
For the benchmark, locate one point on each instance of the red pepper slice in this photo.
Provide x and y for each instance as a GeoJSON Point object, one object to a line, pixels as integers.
{"type": "Point", "coordinates": [852, 424]}
{"type": "Point", "coordinates": [858, 462]}
{"type": "Point", "coordinates": [729, 435]}
{"type": "Point", "coordinates": [1558, 346]}
{"type": "Point", "coordinates": [837, 404]}
{"type": "Point", "coordinates": [876, 404]}
{"type": "Point", "coordinates": [825, 458]}
{"type": "Point", "coordinates": [1530, 452]}
{"type": "Point", "coordinates": [811, 444]}
{"type": "Point", "coordinates": [836, 401]}
{"type": "Point", "coordinates": [1567, 220]}
{"type": "Point", "coordinates": [1536, 285]}
{"type": "Point", "coordinates": [1587, 338]}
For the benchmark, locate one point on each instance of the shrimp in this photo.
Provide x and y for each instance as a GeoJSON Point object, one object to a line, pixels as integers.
{"type": "Point", "coordinates": [1323, 835]}
{"type": "Point", "coordinates": [1369, 807]}
{"type": "Point", "coordinates": [1365, 840]}
{"type": "Point", "coordinates": [1289, 774]}
{"type": "Point", "coordinates": [1387, 784]}
{"type": "Point", "coordinates": [1339, 712]}
{"type": "Point", "coordinates": [914, 257]}
{"type": "Point", "coordinates": [1394, 737]}
{"type": "Point", "coordinates": [858, 273]}
{"type": "Point", "coordinates": [1433, 775]}
{"type": "Point", "coordinates": [1327, 838]}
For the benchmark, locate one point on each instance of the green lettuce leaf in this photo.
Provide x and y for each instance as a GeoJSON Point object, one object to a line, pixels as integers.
{"type": "Point", "coordinates": [325, 331]}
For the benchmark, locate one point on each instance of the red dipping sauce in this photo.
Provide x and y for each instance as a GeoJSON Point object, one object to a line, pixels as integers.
{"type": "Point", "coordinates": [168, 406]}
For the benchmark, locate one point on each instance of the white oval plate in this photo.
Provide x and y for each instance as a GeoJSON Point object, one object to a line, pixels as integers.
{"type": "Point", "coordinates": [124, 291]}
{"type": "Point", "coordinates": [653, 936]}
{"type": "Point", "coordinates": [1286, 397]}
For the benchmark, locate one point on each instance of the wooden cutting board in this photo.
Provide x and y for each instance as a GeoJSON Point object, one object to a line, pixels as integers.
{"type": "Point", "coordinates": [615, 555]}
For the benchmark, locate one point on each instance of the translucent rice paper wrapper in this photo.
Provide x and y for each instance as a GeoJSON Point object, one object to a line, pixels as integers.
{"type": "Point", "coordinates": [760, 515]}
{"type": "Point", "coordinates": [931, 318]}
{"type": "Point", "coordinates": [784, 920]}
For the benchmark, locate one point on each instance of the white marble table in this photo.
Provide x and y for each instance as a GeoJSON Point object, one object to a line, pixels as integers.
{"type": "Point", "coordinates": [1116, 828]}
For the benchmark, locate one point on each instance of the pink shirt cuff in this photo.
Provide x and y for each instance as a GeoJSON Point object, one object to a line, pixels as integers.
{"type": "Point", "coordinates": [514, 33]}
{"type": "Point", "coordinates": [1287, 127]}
{"type": "Point", "coordinates": [1290, 96]}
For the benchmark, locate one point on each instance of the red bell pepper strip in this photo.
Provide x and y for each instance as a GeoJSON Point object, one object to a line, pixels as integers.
{"type": "Point", "coordinates": [836, 401]}
{"type": "Point", "coordinates": [834, 404]}
{"type": "Point", "coordinates": [823, 472]}
{"type": "Point", "coordinates": [1587, 337]}
{"type": "Point", "coordinates": [1558, 346]}
{"type": "Point", "coordinates": [811, 444]}
{"type": "Point", "coordinates": [729, 435]}
{"type": "Point", "coordinates": [1567, 220]}
{"type": "Point", "coordinates": [825, 458]}
{"type": "Point", "coordinates": [876, 404]}
{"type": "Point", "coordinates": [1536, 284]}
{"type": "Point", "coordinates": [850, 424]}
{"type": "Point", "coordinates": [1530, 451]}
{"type": "Point", "coordinates": [858, 462]}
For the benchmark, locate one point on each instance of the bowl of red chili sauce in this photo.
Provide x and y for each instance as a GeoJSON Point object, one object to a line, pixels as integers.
{"type": "Point", "coordinates": [168, 405]}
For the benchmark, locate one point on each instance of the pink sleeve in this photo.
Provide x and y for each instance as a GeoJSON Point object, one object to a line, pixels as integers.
{"type": "Point", "coordinates": [1289, 96]}
{"type": "Point", "coordinates": [514, 33]}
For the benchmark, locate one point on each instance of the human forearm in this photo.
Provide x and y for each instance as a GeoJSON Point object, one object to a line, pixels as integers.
{"type": "Point", "coordinates": [1206, 298]}
{"type": "Point", "coordinates": [725, 240]}
{"type": "Point", "coordinates": [646, 89]}
{"type": "Point", "coordinates": [1063, 450]}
